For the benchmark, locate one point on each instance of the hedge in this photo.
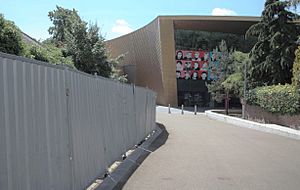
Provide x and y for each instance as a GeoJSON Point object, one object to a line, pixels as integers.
{"type": "Point", "coordinates": [283, 99]}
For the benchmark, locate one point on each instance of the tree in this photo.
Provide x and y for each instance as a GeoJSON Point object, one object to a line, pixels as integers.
{"type": "Point", "coordinates": [37, 53]}
{"type": "Point", "coordinates": [88, 50]}
{"type": "Point", "coordinates": [232, 80]}
{"type": "Point", "coordinates": [296, 69]}
{"type": "Point", "coordinates": [117, 73]}
{"type": "Point", "coordinates": [64, 23]}
{"type": "Point", "coordinates": [234, 83]}
{"type": "Point", "coordinates": [272, 57]}
{"type": "Point", "coordinates": [10, 37]}
{"type": "Point", "coordinates": [215, 87]}
{"type": "Point", "coordinates": [47, 52]}
{"type": "Point", "coordinates": [231, 83]}
{"type": "Point", "coordinates": [57, 55]}
{"type": "Point", "coordinates": [84, 43]}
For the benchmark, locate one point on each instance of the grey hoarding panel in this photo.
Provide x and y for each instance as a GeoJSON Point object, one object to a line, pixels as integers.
{"type": "Point", "coordinates": [33, 136]}
{"type": "Point", "coordinates": [60, 128]}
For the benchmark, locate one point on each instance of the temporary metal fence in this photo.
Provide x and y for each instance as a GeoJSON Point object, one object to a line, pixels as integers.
{"type": "Point", "coordinates": [61, 128]}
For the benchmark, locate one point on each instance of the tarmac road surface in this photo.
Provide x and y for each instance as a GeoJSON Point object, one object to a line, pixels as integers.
{"type": "Point", "coordinates": [200, 153]}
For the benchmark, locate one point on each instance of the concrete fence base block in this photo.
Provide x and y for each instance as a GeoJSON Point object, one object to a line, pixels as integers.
{"type": "Point", "coordinates": [268, 128]}
{"type": "Point", "coordinates": [119, 177]}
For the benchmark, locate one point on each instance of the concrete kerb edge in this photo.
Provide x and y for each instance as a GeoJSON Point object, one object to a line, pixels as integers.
{"type": "Point", "coordinates": [268, 128]}
{"type": "Point", "coordinates": [119, 177]}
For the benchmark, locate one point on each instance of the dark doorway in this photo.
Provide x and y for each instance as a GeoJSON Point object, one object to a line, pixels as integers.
{"type": "Point", "coordinates": [192, 92]}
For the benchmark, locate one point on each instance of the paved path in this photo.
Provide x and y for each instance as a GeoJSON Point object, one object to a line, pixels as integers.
{"type": "Point", "coordinates": [201, 153]}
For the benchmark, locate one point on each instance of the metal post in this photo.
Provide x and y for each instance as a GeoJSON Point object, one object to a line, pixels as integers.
{"type": "Point", "coordinates": [169, 110]}
{"type": "Point", "coordinates": [227, 103]}
{"type": "Point", "coordinates": [182, 109]}
{"type": "Point", "coordinates": [195, 109]}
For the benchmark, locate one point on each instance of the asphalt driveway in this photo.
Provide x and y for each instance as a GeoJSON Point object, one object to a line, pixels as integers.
{"type": "Point", "coordinates": [201, 153]}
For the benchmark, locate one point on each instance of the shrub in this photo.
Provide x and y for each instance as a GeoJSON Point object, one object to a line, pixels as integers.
{"type": "Point", "coordinates": [296, 69]}
{"type": "Point", "coordinates": [283, 99]}
{"type": "Point", "coordinates": [234, 84]}
{"type": "Point", "coordinates": [37, 53]}
{"type": "Point", "coordinates": [251, 97]}
{"type": "Point", "coordinates": [10, 37]}
{"type": "Point", "coordinates": [47, 53]}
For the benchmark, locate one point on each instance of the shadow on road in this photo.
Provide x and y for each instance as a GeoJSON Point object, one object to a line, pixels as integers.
{"type": "Point", "coordinates": [161, 139]}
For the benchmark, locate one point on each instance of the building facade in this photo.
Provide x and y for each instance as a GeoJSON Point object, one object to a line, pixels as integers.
{"type": "Point", "coordinates": [150, 52]}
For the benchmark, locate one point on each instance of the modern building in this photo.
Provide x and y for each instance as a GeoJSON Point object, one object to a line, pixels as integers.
{"type": "Point", "coordinates": [150, 53]}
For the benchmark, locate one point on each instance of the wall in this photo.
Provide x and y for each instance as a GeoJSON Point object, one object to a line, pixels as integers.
{"type": "Point", "coordinates": [257, 113]}
{"type": "Point", "coordinates": [142, 49]}
{"type": "Point", "coordinates": [168, 59]}
{"type": "Point", "coordinates": [60, 128]}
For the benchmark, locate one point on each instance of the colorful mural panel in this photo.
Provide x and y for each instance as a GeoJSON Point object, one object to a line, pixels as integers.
{"type": "Point", "coordinates": [198, 65]}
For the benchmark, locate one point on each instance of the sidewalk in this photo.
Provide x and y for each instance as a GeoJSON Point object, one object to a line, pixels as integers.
{"type": "Point", "coordinates": [268, 128]}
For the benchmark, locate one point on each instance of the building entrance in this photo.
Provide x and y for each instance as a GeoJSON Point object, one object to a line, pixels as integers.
{"type": "Point", "coordinates": [194, 70]}
{"type": "Point", "coordinates": [190, 93]}
{"type": "Point", "coordinates": [199, 62]}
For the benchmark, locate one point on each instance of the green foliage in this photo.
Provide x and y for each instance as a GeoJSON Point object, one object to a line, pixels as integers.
{"type": "Point", "coordinates": [64, 24]}
{"type": "Point", "coordinates": [273, 55]}
{"type": "Point", "coordinates": [251, 97]}
{"type": "Point", "coordinates": [57, 55]}
{"type": "Point", "coordinates": [37, 53]}
{"type": "Point", "coordinates": [296, 69]}
{"type": "Point", "coordinates": [194, 40]}
{"type": "Point", "coordinates": [10, 37]}
{"type": "Point", "coordinates": [47, 53]}
{"type": "Point", "coordinates": [11, 42]}
{"type": "Point", "coordinates": [215, 88]}
{"type": "Point", "coordinates": [283, 99]}
{"type": "Point", "coordinates": [89, 52]}
{"type": "Point", "coordinates": [234, 84]}
{"type": "Point", "coordinates": [232, 79]}
{"type": "Point", "coordinates": [84, 43]}
{"type": "Point", "coordinates": [116, 71]}
{"type": "Point", "coordinates": [235, 81]}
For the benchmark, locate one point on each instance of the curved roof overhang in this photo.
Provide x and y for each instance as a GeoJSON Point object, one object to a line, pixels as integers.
{"type": "Point", "coordinates": [227, 24]}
